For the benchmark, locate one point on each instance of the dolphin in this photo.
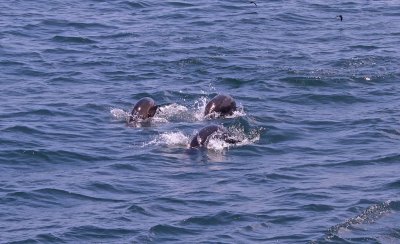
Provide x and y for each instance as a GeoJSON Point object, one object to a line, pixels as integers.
{"type": "Point", "coordinates": [202, 138]}
{"type": "Point", "coordinates": [221, 104]}
{"type": "Point", "coordinates": [144, 108]}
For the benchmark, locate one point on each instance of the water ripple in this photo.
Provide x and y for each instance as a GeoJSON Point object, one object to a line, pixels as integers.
{"type": "Point", "coordinates": [73, 39]}
{"type": "Point", "coordinates": [90, 232]}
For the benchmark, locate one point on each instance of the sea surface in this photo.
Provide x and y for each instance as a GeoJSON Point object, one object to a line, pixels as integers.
{"type": "Point", "coordinates": [318, 119]}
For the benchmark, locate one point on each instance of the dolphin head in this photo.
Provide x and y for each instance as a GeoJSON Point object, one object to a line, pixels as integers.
{"type": "Point", "coordinates": [145, 108]}
{"type": "Point", "coordinates": [222, 104]}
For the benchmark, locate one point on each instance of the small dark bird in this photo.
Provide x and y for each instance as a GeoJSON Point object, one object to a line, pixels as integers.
{"type": "Point", "coordinates": [340, 17]}
{"type": "Point", "coordinates": [254, 3]}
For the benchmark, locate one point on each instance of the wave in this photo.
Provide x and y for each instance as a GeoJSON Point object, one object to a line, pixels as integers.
{"type": "Point", "coordinates": [272, 177]}
{"type": "Point", "coordinates": [165, 229]}
{"type": "Point", "coordinates": [77, 25]}
{"type": "Point", "coordinates": [92, 232]}
{"type": "Point", "coordinates": [73, 39]}
{"type": "Point", "coordinates": [57, 196]}
{"type": "Point", "coordinates": [124, 166]}
{"type": "Point", "coordinates": [221, 218]}
{"type": "Point", "coordinates": [310, 98]}
{"type": "Point", "coordinates": [120, 35]}
{"type": "Point", "coordinates": [136, 4]}
{"type": "Point", "coordinates": [40, 156]}
{"type": "Point", "coordinates": [138, 210]}
{"type": "Point", "coordinates": [369, 217]}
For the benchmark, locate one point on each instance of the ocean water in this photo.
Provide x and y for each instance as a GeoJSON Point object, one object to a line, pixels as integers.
{"type": "Point", "coordinates": [319, 113]}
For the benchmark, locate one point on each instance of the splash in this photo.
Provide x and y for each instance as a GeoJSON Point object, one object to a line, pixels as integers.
{"type": "Point", "coordinates": [199, 107]}
{"type": "Point", "coordinates": [215, 143]}
{"type": "Point", "coordinates": [119, 114]}
{"type": "Point", "coordinates": [236, 133]}
{"type": "Point", "coordinates": [170, 112]}
{"type": "Point", "coordinates": [169, 139]}
{"type": "Point", "coordinates": [238, 113]}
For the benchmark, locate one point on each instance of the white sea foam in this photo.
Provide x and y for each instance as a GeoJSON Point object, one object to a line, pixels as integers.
{"type": "Point", "coordinates": [170, 112]}
{"type": "Point", "coordinates": [217, 144]}
{"type": "Point", "coordinates": [170, 139]}
{"type": "Point", "coordinates": [244, 138]}
{"type": "Point", "coordinates": [119, 114]}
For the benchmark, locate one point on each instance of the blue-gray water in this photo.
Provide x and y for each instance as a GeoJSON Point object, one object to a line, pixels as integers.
{"type": "Point", "coordinates": [319, 115]}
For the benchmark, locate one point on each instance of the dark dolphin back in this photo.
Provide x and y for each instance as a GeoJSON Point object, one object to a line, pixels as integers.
{"type": "Point", "coordinates": [143, 109]}
{"type": "Point", "coordinates": [202, 137]}
{"type": "Point", "coordinates": [223, 104]}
